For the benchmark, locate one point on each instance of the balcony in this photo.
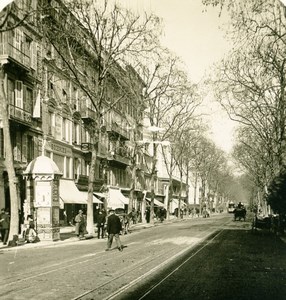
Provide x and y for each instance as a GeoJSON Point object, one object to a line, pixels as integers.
{"type": "Point", "coordinates": [119, 155]}
{"type": "Point", "coordinates": [20, 115]}
{"type": "Point", "coordinates": [88, 115]}
{"type": "Point", "coordinates": [9, 52]}
{"type": "Point", "coordinates": [121, 159]}
{"type": "Point", "coordinates": [118, 130]}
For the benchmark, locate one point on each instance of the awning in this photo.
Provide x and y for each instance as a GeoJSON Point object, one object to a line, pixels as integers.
{"type": "Point", "coordinates": [116, 199]}
{"type": "Point", "coordinates": [99, 195]}
{"type": "Point", "coordinates": [156, 202]}
{"type": "Point", "coordinates": [95, 199]}
{"type": "Point", "coordinates": [69, 193]}
{"type": "Point", "coordinates": [176, 201]}
{"type": "Point", "coordinates": [175, 204]}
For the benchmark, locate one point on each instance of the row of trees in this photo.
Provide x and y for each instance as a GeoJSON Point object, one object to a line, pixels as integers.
{"type": "Point", "coordinates": [250, 84]}
{"type": "Point", "coordinates": [106, 38]}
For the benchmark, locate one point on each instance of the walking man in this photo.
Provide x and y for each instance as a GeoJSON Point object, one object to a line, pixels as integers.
{"type": "Point", "coordinates": [100, 224]}
{"type": "Point", "coordinates": [113, 229]}
{"type": "Point", "coordinates": [79, 224]}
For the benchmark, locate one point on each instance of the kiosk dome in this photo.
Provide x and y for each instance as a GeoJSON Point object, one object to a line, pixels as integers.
{"type": "Point", "coordinates": [42, 165]}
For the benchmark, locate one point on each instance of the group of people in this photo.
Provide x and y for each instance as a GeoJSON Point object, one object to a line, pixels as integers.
{"type": "Point", "coordinates": [28, 234]}
{"type": "Point", "coordinates": [110, 224]}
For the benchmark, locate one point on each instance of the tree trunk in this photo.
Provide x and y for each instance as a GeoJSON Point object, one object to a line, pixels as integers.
{"type": "Point", "coordinates": [132, 188]}
{"type": "Point", "coordinates": [170, 196]}
{"type": "Point", "coordinates": [180, 215]}
{"type": "Point", "coordinates": [153, 175]}
{"type": "Point", "coordinates": [91, 179]}
{"type": "Point", "coordinates": [195, 190]}
{"type": "Point", "coordinates": [13, 181]}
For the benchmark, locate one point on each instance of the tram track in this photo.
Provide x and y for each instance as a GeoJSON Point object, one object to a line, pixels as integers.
{"type": "Point", "coordinates": [153, 260]}
{"type": "Point", "coordinates": [153, 270]}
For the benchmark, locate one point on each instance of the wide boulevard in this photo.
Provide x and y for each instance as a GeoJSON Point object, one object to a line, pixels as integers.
{"type": "Point", "coordinates": [199, 258]}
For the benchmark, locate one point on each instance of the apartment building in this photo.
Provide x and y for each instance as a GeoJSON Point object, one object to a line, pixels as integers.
{"type": "Point", "coordinates": [50, 115]}
{"type": "Point", "coordinates": [19, 55]}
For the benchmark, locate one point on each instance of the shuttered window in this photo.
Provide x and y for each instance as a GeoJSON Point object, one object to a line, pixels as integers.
{"type": "Point", "coordinates": [19, 94]}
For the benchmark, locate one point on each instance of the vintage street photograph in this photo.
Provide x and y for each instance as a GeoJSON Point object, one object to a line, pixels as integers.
{"type": "Point", "coordinates": [142, 149]}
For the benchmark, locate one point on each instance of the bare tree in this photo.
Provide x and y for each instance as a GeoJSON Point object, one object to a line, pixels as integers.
{"type": "Point", "coordinates": [250, 82]}
{"type": "Point", "coordinates": [94, 40]}
{"type": "Point", "coordinates": [168, 97]}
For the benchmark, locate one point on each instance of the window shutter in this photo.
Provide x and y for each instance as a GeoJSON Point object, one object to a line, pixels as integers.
{"type": "Point", "coordinates": [19, 94]}
{"type": "Point", "coordinates": [37, 105]}
{"type": "Point", "coordinates": [18, 38]}
{"type": "Point", "coordinates": [34, 55]}
{"type": "Point", "coordinates": [4, 42]}
{"type": "Point", "coordinates": [24, 148]}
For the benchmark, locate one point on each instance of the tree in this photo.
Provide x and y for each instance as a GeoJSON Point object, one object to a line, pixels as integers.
{"type": "Point", "coordinates": [250, 82]}
{"type": "Point", "coordinates": [95, 40]}
{"type": "Point", "coordinates": [168, 96]}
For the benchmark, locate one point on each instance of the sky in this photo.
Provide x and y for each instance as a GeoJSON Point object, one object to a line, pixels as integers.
{"type": "Point", "coordinates": [192, 32]}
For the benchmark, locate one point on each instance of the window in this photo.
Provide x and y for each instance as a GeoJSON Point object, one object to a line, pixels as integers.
{"type": "Point", "coordinates": [52, 123]}
{"type": "Point", "coordinates": [30, 148]}
{"type": "Point", "coordinates": [28, 103]}
{"type": "Point", "coordinates": [11, 91]}
{"type": "Point", "coordinates": [64, 125]}
{"type": "Point", "coordinates": [16, 142]}
{"type": "Point", "coordinates": [26, 45]}
{"type": "Point", "coordinates": [76, 99]}
{"type": "Point", "coordinates": [18, 39]}
{"type": "Point", "coordinates": [19, 94]}
{"type": "Point", "coordinates": [65, 129]}
{"type": "Point", "coordinates": [34, 55]}
{"type": "Point", "coordinates": [67, 167]}
{"type": "Point", "coordinates": [87, 136]}
{"type": "Point", "coordinates": [76, 133]}
{"type": "Point", "coordinates": [59, 160]}
{"type": "Point", "coordinates": [77, 167]}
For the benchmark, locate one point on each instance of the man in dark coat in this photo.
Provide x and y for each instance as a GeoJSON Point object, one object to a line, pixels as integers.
{"type": "Point", "coordinates": [100, 223]}
{"type": "Point", "coordinates": [113, 229]}
{"type": "Point", "coordinates": [5, 226]}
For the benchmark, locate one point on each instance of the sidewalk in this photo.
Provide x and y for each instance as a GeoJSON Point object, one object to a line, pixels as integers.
{"type": "Point", "coordinates": [67, 235]}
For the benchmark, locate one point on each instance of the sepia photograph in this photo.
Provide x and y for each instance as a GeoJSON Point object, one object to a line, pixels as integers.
{"type": "Point", "coordinates": [142, 149]}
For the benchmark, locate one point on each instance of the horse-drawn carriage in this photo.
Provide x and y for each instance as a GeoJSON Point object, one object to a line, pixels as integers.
{"type": "Point", "coordinates": [239, 213]}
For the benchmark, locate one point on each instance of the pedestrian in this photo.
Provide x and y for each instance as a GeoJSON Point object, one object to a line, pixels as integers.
{"type": "Point", "coordinates": [84, 223]}
{"type": "Point", "coordinates": [31, 234]}
{"type": "Point", "coordinates": [113, 229]}
{"type": "Point", "coordinates": [1, 229]}
{"type": "Point", "coordinates": [101, 223]}
{"type": "Point", "coordinates": [5, 226]}
{"type": "Point", "coordinates": [79, 224]}
{"type": "Point", "coordinates": [147, 213]}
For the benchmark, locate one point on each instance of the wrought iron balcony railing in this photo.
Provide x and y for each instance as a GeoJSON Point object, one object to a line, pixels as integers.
{"type": "Point", "coordinates": [20, 114]}
{"type": "Point", "coordinates": [9, 51]}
